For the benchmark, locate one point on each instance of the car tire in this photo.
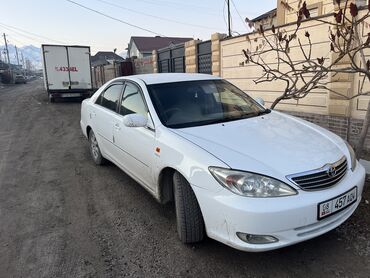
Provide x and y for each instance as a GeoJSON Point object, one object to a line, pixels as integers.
{"type": "Point", "coordinates": [51, 99]}
{"type": "Point", "coordinates": [190, 224]}
{"type": "Point", "coordinates": [95, 150]}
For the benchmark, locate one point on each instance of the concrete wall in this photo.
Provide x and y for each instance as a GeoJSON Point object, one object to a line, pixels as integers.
{"type": "Point", "coordinates": [216, 52]}
{"type": "Point", "coordinates": [323, 7]}
{"type": "Point", "coordinates": [102, 74]}
{"type": "Point", "coordinates": [191, 56]}
{"type": "Point", "coordinates": [143, 65]}
{"type": "Point", "coordinates": [244, 75]}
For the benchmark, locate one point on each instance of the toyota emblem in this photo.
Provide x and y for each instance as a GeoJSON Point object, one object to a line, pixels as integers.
{"type": "Point", "coordinates": [332, 171]}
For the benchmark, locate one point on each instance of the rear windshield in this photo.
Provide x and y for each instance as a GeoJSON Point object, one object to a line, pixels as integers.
{"type": "Point", "coordinates": [195, 103]}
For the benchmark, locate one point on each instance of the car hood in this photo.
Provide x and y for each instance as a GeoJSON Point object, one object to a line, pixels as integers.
{"type": "Point", "coordinates": [274, 144]}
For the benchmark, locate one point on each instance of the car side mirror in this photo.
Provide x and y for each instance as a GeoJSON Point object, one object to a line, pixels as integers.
{"type": "Point", "coordinates": [135, 120]}
{"type": "Point", "coordinates": [260, 101]}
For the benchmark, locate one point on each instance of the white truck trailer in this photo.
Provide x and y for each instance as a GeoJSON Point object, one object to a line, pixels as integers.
{"type": "Point", "coordinates": [67, 71]}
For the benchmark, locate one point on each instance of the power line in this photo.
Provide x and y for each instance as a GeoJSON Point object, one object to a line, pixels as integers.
{"type": "Point", "coordinates": [241, 18]}
{"type": "Point", "coordinates": [114, 18]}
{"type": "Point", "coordinates": [28, 32]}
{"type": "Point", "coordinates": [17, 40]}
{"type": "Point", "coordinates": [203, 9]}
{"type": "Point", "coordinates": [154, 16]}
{"type": "Point", "coordinates": [22, 42]}
{"type": "Point", "coordinates": [26, 36]}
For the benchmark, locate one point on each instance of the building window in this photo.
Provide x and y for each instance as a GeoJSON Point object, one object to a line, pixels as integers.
{"type": "Point", "coordinates": [314, 12]}
{"type": "Point", "coordinates": [315, 9]}
{"type": "Point", "coordinates": [361, 3]}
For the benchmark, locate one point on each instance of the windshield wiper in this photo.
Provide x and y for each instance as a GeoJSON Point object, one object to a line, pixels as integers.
{"type": "Point", "coordinates": [255, 114]}
{"type": "Point", "coordinates": [266, 111]}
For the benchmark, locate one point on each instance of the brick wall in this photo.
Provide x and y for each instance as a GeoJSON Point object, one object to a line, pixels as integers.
{"type": "Point", "coordinates": [347, 128]}
{"type": "Point", "coordinates": [191, 56]}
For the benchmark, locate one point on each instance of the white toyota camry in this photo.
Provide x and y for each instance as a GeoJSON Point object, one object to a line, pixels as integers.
{"type": "Point", "coordinates": [244, 175]}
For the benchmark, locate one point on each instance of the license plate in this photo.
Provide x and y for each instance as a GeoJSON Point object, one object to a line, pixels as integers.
{"type": "Point", "coordinates": [336, 204]}
{"type": "Point", "coordinates": [71, 95]}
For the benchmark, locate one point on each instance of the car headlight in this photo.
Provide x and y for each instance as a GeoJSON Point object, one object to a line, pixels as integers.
{"type": "Point", "coordinates": [251, 184]}
{"type": "Point", "coordinates": [353, 156]}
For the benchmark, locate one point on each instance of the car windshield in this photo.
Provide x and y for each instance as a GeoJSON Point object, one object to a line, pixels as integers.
{"type": "Point", "coordinates": [195, 103]}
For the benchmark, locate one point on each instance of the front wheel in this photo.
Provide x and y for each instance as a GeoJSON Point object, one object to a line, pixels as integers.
{"type": "Point", "coordinates": [190, 224]}
{"type": "Point", "coordinates": [95, 150]}
{"type": "Point", "coordinates": [51, 98]}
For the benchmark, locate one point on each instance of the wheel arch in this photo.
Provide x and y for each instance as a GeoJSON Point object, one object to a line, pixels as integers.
{"type": "Point", "coordinates": [165, 185]}
{"type": "Point", "coordinates": [88, 128]}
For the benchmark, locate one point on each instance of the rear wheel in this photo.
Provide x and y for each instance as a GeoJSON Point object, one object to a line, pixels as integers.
{"type": "Point", "coordinates": [95, 150]}
{"type": "Point", "coordinates": [190, 224]}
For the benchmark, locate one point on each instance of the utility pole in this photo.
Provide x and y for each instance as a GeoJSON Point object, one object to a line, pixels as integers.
{"type": "Point", "coordinates": [16, 53]}
{"type": "Point", "coordinates": [6, 48]}
{"type": "Point", "coordinates": [229, 17]}
{"type": "Point", "coordinates": [7, 54]}
{"type": "Point", "coordinates": [22, 60]}
{"type": "Point", "coordinates": [23, 68]}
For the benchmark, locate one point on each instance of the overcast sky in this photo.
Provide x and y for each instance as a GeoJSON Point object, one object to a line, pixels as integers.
{"type": "Point", "coordinates": [61, 21]}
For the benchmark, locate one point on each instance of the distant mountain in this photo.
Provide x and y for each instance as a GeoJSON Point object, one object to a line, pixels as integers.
{"type": "Point", "coordinates": [30, 52]}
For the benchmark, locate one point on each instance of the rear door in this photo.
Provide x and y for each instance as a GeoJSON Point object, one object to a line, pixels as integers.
{"type": "Point", "coordinates": [79, 67]}
{"type": "Point", "coordinates": [103, 118]}
{"type": "Point", "coordinates": [56, 67]}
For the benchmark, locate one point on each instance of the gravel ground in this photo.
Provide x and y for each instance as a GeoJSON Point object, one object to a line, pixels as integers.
{"type": "Point", "coordinates": [62, 216]}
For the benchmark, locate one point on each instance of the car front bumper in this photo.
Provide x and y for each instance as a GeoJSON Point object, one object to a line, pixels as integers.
{"type": "Point", "coordinates": [289, 219]}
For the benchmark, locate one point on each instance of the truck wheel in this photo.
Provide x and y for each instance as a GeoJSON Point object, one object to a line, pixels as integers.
{"type": "Point", "coordinates": [95, 150]}
{"type": "Point", "coordinates": [190, 224]}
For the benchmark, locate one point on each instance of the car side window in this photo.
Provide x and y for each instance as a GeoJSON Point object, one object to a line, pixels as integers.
{"type": "Point", "coordinates": [132, 101]}
{"type": "Point", "coordinates": [110, 97]}
{"type": "Point", "coordinates": [99, 98]}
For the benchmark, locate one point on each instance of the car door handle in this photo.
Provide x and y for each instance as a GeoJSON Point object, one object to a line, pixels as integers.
{"type": "Point", "coordinates": [117, 127]}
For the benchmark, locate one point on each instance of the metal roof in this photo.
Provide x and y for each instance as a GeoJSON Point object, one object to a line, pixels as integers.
{"type": "Point", "coordinates": [148, 44]}
{"type": "Point", "coordinates": [265, 15]}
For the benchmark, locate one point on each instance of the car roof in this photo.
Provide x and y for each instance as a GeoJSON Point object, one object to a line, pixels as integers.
{"type": "Point", "coordinates": [158, 78]}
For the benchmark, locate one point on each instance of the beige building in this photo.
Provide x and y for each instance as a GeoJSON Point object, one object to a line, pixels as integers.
{"type": "Point", "coordinates": [318, 102]}
{"type": "Point", "coordinates": [266, 20]}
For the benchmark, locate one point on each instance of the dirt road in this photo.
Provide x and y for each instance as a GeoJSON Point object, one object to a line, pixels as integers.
{"type": "Point", "coordinates": [62, 216]}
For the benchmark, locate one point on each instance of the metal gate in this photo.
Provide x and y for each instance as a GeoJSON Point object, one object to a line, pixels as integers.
{"type": "Point", "coordinates": [204, 57]}
{"type": "Point", "coordinates": [172, 59]}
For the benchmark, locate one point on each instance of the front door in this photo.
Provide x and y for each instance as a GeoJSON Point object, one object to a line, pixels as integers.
{"type": "Point", "coordinates": [135, 144]}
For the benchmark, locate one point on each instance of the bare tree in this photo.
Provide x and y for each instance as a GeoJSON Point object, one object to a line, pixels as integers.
{"type": "Point", "coordinates": [302, 76]}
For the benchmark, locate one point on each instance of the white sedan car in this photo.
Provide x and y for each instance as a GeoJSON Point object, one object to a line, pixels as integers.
{"type": "Point", "coordinates": [249, 177]}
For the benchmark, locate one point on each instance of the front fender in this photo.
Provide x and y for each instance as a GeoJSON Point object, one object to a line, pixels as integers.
{"type": "Point", "coordinates": [188, 159]}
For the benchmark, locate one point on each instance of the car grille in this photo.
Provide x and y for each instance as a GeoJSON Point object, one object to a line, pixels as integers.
{"type": "Point", "coordinates": [321, 178]}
